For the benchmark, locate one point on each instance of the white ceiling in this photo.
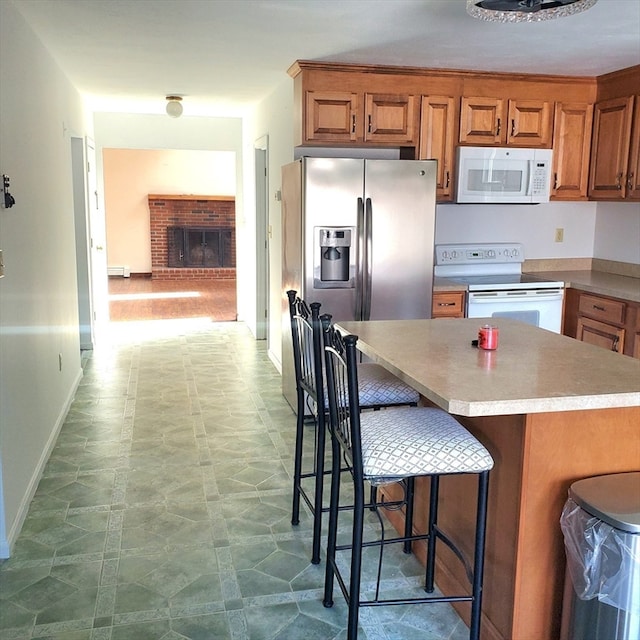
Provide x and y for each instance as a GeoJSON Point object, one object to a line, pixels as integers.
{"type": "Point", "coordinates": [223, 55]}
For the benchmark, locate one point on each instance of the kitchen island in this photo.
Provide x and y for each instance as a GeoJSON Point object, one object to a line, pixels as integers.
{"type": "Point", "coordinates": [551, 410]}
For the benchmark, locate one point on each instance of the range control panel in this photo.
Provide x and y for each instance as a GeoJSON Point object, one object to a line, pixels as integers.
{"type": "Point", "coordinates": [495, 253]}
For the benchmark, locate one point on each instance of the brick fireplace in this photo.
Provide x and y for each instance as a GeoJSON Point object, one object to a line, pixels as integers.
{"type": "Point", "coordinates": [194, 234]}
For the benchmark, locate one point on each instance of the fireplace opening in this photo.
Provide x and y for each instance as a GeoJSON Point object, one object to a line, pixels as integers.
{"type": "Point", "coordinates": [200, 247]}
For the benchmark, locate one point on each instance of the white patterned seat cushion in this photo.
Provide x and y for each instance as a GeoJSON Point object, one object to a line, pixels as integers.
{"type": "Point", "coordinates": [377, 386]}
{"type": "Point", "coordinates": [415, 441]}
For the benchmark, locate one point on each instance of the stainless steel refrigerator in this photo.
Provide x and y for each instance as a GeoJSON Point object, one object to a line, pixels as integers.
{"type": "Point", "coordinates": [358, 237]}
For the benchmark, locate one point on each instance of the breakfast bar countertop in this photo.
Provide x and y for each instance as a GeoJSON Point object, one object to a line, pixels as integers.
{"type": "Point", "coordinates": [550, 410]}
{"type": "Point", "coordinates": [531, 371]}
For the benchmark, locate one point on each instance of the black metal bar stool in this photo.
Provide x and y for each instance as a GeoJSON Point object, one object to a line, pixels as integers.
{"type": "Point", "coordinates": [377, 389]}
{"type": "Point", "coordinates": [395, 445]}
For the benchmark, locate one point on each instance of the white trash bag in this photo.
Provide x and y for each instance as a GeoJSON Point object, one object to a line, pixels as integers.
{"type": "Point", "coordinates": [601, 561]}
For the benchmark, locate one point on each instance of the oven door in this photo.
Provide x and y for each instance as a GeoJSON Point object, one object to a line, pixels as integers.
{"type": "Point", "coordinates": [539, 307]}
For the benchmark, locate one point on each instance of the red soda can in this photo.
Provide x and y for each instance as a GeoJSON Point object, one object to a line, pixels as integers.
{"type": "Point", "coordinates": [488, 337]}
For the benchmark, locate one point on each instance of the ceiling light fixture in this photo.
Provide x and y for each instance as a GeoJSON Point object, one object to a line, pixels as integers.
{"type": "Point", "coordinates": [526, 10]}
{"type": "Point", "coordinates": [174, 106]}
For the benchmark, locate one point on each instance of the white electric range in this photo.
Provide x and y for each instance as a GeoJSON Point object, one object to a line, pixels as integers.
{"type": "Point", "coordinates": [496, 285]}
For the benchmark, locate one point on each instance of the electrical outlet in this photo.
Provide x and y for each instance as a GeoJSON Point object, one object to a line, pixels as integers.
{"type": "Point", "coordinates": [559, 234]}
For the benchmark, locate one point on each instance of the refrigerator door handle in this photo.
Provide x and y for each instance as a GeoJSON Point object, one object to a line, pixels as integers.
{"type": "Point", "coordinates": [368, 260]}
{"type": "Point", "coordinates": [360, 256]}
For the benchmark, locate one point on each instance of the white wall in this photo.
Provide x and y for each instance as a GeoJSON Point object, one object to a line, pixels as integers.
{"type": "Point", "coordinates": [38, 295]}
{"type": "Point", "coordinates": [273, 117]}
{"type": "Point", "coordinates": [532, 225]}
{"type": "Point", "coordinates": [617, 234]}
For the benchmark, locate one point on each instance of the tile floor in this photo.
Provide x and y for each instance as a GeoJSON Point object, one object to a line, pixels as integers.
{"type": "Point", "coordinates": [164, 510]}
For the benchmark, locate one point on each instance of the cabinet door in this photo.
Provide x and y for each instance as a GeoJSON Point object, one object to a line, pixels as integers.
{"type": "Point", "coordinates": [448, 304]}
{"type": "Point", "coordinates": [610, 149]}
{"type": "Point", "coordinates": [530, 123]}
{"type": "Point", "coordinates": [330, 116]}
{"type": "Point", "coordinates": [600, 334]}
{"type": "Point", "coordinates": [633, 170]}
{"type": "Point", "coordinates": [390, 118]}
{"type": "Point", "coordinates": [571, 146]}
{"type": "Point", "coordinates": [481, 121]}
{"type": "Point", "coordinates": [437, 125]}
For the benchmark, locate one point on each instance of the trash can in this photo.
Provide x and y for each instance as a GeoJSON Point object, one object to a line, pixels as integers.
{"type": "Point", "coordinates": [601, 526]}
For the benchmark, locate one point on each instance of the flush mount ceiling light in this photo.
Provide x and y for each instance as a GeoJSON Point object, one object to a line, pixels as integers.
{"type": "Point", "coordinates": [525, 10]}
{"type": "Point", "coordinates": [174, 106]}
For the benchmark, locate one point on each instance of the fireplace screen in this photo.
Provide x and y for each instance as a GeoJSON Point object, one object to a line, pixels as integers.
{"type": "Point", "coordinates": [200, 247]}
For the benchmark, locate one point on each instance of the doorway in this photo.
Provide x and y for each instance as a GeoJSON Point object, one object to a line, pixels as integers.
{"type": "Point", "coordinates": [261, 151]}
{"type": "Point", "coordinates": [148, 194]}
{"type": "Point", "coordinates": [90, 255]}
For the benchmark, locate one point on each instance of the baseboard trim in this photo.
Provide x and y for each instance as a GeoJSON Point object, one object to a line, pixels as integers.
{"type": "Point", "coordinates": [7, 543]}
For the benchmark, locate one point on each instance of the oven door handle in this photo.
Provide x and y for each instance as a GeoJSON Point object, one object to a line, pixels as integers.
{"type": "Point", "coordinates": [479, 297]}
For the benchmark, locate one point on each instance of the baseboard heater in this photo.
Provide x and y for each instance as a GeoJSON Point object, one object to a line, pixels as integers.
{"type": "Point", "coordinates": [122, 272]}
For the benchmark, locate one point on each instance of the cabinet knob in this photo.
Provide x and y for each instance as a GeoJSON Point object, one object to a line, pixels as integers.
{"type": "Point", "coordinates": [353, 123]}
{"type": "Point", "coordinates": [513, 128]}
{"type": "Point", "coordinates": [630, 182]}
{"type": "Point", "coordinates": [618, 181]}
{"type": "Point", "coordinates": [448, 180]}
{"type": "Point", "coordinates": [499, 127]}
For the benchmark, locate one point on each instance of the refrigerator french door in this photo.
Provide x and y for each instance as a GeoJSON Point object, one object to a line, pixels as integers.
{"type": "Point", "coordinates": [358, 237]}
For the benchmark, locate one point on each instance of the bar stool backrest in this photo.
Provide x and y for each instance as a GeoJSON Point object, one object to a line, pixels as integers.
{"type": "Point", "coordinates": [341, 364]}
{"type": "Point", "coordinates": [307, 346]}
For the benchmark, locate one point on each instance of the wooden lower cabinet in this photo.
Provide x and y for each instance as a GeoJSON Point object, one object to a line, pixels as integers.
{"type": "Point", "coordinates": [610, 323]}
{"type": "Point", "coordinates": [448, 304]}
{"type": "Point", "coordinates": [601, 334]}
{"type": "Point", "coordinates": [537, 458]}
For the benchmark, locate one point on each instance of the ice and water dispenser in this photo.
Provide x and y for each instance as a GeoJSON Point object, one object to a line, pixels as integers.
{"type": "Point", "coordinates": [334, 259]}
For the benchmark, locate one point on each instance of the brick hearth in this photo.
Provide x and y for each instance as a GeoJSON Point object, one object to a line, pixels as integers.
{"type": "Point", "coordinates": [214, 212]}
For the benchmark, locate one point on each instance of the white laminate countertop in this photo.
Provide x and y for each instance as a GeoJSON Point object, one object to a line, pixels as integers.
{"type": "Point", "coordinates": [532, 371]}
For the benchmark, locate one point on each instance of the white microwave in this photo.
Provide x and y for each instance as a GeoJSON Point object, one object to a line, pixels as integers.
{"type": "Point", "coordinates": [503, 175]}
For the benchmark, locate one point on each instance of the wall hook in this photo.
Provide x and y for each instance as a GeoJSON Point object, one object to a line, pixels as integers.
{"type": "Point", "coordinates": [9, 200]}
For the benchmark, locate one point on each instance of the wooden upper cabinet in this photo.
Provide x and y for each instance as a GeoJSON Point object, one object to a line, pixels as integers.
{"type": "Point", "coordinates": [331, 116]}
{"type": "Point", "coordinates": [610, 149]}
{"type": "Point", "coordinates": [571, 147]}
{"type": "Point", "coordinates": [343, 117]}
{"type": "Point", "coordinates": [530, 123]}
{"type": "Point", "coordinates": [437, 141]}
{"type": "Point", "coordinates": [481, 121]}
{"type": "Point", "coordinates": [390, 118]}
{"type": "Point", "coordinates": [494, 121]}
{"type": "Point", "coordinates": [633, 170]}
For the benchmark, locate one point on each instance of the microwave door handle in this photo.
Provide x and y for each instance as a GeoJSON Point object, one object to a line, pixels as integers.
{"type": "Point", "coordinates": [530, 177]}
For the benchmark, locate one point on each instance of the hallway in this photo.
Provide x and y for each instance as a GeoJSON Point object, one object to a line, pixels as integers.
{"type": "Point", "coordinates": [164, 510]}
